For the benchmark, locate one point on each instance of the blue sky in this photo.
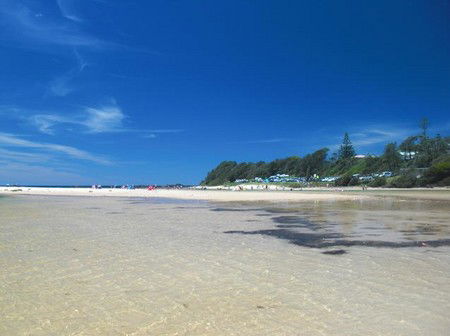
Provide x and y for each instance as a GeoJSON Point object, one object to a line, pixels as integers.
{"type": "Point", "coordinates": [112, 91]}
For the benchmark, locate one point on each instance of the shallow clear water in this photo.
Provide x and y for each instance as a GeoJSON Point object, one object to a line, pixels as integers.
{"type": "Point", "coordinates": [107, 266]}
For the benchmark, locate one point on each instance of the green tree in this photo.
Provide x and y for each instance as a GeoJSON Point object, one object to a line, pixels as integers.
{"type": "Point", "coordinates": [424, 123]}
{"type": "Point", "coordinates": [346, 151]}
{"type": "Point", "coordinates": [439, 172]}
{"type": "Point", "coordinates": [373, 164]}
{"type": "Point", "coordinates": [421, 151]}
{"type": "Point", "coordinates": [409, 146]}
{"type": "Point", "coordinates": [391, 158]}
{"type": "Point", "coordinates": [314, 163]}
{"type": "Point", "coordinates": [439, 146]}
{"type": "Point", "coordinates": [220, 174]}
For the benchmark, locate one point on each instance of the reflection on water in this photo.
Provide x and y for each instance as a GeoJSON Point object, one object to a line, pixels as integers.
{"type": "Point", "coordinates": [110, 266]}
{"type": "Point", "coordinates": [391, 223]}
{"type": "Point", "coordinates": [323, 240]}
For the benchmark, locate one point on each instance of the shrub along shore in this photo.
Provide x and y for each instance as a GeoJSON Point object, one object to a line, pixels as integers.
{"type": "Point", "coordinates": [419, 161]}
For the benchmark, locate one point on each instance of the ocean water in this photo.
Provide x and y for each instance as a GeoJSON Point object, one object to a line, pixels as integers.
{"type": "Point", "coordinates": [114, 266]}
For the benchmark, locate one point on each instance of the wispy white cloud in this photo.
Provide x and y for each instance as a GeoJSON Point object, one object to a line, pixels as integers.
{"type": "Point", "coordinates": [370, 135]}
{"type": "Point", "coordinates": [10, 155]}
{"type": "Point", "coordinates": [45, 122]}
{"type": "Point", "coordinates": [151, 134]}
{"type": "Point", "coordinates": [23, 22]}
{"type": "Point", "coordinates": [104, 119]}
{"type": "Point", "coordinates": [61, 85]}
{"type": "Point", "coordinates": [10, 140]}
{"type": "Point", "coordinates": [375, 134]}
{"type": "Point", "coordinates": [107, 118]}
{"type": "Point", "coordinates": [67, 8]}
{"type": "Point", "coordinates": [9, 110]}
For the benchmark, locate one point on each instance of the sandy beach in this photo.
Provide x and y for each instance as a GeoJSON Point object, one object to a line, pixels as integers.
{"type": "Point", "coordinates": [214, 194]}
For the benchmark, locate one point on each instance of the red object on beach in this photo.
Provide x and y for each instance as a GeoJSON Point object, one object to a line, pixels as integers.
{"type": "Point", "coordinates": [151, 187]}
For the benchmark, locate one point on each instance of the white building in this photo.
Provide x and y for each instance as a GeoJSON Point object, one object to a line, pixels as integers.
{"type": "Point", "coordinates": [407, 155]}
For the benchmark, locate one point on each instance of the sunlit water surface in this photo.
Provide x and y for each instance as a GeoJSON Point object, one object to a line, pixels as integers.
{"type": "Point", "coordinates": [109, 266]}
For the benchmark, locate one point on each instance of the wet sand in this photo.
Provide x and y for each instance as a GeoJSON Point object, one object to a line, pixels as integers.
{"type": "Point", "coordinates": [153, 266]}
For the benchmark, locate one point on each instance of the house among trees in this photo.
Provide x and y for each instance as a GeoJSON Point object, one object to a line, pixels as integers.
{"type": "Point", "coordinates": [396, 167]}
{"type": "Point", "coordinates": [407, 155]}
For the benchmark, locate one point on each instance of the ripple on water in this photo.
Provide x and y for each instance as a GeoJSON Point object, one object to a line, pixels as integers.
{"type": "Point", "coordinates": [167, 268]}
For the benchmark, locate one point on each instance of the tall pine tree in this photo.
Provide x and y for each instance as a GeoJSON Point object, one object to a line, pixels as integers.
{"type": "Point", "coordinates": [346, 151]}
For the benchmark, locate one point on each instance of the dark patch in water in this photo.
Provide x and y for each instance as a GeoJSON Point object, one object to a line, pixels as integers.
{"type": "Point", "coordinates": [268, 210]}
{"type": "Point", "coordinates": [290, 226]}
{"type": "Point", "coordinates": [252, 220]}
{"type": "Point", "coordinates": [231, 209]}
{"type": "Point", "coordinates": [288, 222]}
{"type": "Point", "coordinates": [304, 227]}
{"type": "Point", "coordinates": [280, 210]}
{"type": "Point", "coordinates": [114, 213]}
{"type": "Point", "coordinates": [288, 219]}
{"type": "Point", "coordinates": [295, 221]}
{"type": "Point", "coordinates": [297, 238]}
{"type": "Point", "coordinates": [335, 252]}
{"type": "Point", "coordinates": [324, 240]}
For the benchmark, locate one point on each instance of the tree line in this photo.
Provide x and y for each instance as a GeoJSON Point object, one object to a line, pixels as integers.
{"type": "Point", "coordinates": [414, 154]}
